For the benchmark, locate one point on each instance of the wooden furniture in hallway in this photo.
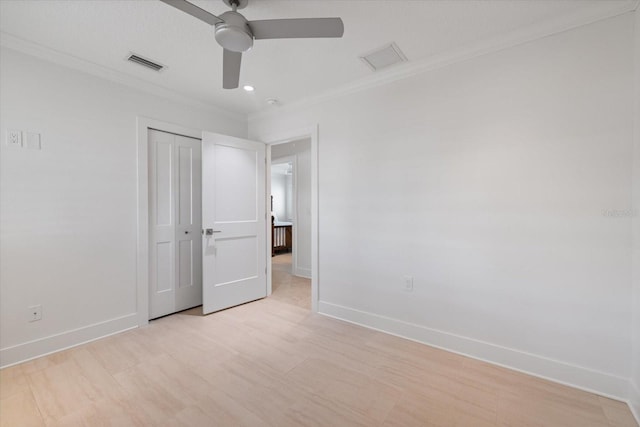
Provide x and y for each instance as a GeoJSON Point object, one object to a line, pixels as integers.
{"type": "Point", "coordinates": [281, 236]}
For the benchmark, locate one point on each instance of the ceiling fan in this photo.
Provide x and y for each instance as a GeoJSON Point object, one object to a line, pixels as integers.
{"type": "Point", "coordinates": [236, 35]}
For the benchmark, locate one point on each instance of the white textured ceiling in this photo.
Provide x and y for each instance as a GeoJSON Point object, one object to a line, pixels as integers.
{"type": "Point", "coordinates": [103, 32]}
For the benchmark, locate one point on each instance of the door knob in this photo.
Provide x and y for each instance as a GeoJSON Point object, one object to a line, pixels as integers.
{"type": "Point", "coordinates": [210, 231]}
{"type": "Point", "coordinates": [186, 232]}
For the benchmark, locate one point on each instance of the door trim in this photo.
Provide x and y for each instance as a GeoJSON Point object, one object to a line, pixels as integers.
{"type": "Point", "coordinates": [142, 241]}
{"type": "Point", "coordinates": [282, 138]}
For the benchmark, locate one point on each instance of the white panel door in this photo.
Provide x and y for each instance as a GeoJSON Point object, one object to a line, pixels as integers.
{"type": "Point", "coordinates": [234, 219]}
{"type": "Point", "coordinates": [175, 276]}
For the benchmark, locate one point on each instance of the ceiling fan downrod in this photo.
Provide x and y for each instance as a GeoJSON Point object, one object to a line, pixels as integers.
{"type": "Point", "coordinates": [236, 4]}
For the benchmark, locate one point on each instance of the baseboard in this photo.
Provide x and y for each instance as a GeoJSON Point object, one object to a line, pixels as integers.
{"type": "Point", "coordinates": [634, 400]}
{"type": "Point", "coordinates": [303, 272]}
{"type": "Point", "coordinates": [575, 376]}
{"type": "Point", "coordinates": [53, 343]}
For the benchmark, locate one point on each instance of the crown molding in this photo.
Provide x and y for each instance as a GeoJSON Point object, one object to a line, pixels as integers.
{"type": "Point", "coordinates": [434, 62]}
{"type": "Point", "coordinates": [381, 78]}
{"type": "Point", "coordinates": [10, 41]}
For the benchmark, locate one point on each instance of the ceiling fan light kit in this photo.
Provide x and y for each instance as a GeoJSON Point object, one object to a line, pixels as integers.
{"type": "Point", "coordinates": [236, 35]}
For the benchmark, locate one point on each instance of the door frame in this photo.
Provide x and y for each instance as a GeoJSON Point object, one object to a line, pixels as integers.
{"type": "Point", "coordinates": [284, 137]}
{"type": "Point", "coordinates": [143, 125]}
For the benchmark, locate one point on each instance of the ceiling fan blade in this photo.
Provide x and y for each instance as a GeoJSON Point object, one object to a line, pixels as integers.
{"type": "Point", "coordinates": [297, 28]}
{"type": "Point", "coordinates": [194, 11]}
{"type": "Point", "coordinates": [231, 69]}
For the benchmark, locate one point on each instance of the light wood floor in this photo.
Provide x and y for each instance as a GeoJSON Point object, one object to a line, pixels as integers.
{"type": "Point", "coordinates": [273, 363]}
{"type": "Point", "coordinates": [286, 287]}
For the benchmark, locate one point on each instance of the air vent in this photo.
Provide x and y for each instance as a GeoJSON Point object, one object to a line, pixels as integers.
{"type": "Point", "coordinates": [384, 57]}
{"type": "Point", "coordinates": [145, 62]}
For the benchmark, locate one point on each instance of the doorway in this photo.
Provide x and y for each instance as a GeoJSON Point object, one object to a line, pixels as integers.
{"type": "Point", "coordinates": [144, 126]}
{"type": "Point", "coordinates": [291, 222]}
{"type": "Point", "coordinates": [175, 212]}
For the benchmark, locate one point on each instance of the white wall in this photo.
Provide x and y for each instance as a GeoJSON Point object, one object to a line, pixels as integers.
{"type": "Point", "coordinates": [289, 213]}
{"type": "Point", "coordinates": [635, 386]}
{"type": "Point", "coordinates": [490, 181]}
{"type": "Point", "coordinates": [68, 212]}
{"type": "Point", "coordinates": [301, 151]}
{"type": "Point", "coordinates": [279, 193]}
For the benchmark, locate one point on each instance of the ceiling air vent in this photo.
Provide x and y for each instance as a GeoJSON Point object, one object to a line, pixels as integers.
{"type": "Point", "coordinates": [145, 62]}
{"type": "Point", "coordinates": [384, 57]}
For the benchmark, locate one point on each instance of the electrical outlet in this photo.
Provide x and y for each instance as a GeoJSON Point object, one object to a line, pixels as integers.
{"type": "Point", "coordinates": [14, 138]}
{"type": "Point", "coordinates": [35, 313]}
{"type": "Point", "coordinates": [408, 283]}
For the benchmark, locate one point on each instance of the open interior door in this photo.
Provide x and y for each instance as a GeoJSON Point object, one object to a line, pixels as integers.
{"type": "Point", "coordinates": [234, 252]}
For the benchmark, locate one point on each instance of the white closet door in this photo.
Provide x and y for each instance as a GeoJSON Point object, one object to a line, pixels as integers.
{"type": "Point", "coordinates": [175, 279]}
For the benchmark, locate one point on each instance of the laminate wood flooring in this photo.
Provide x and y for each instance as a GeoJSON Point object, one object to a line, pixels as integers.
{"type": "Point", "coordinates": [273, 363]}
{"type": "Point", "coordinates": [286, 287]}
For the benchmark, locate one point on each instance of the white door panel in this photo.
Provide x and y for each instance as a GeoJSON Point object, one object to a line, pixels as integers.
{"type": "Point", "coordinates": [161, 225]}
{"type": "Point", "coordinates": [237, 166]}
{"type": "Point", "coordinates": [189, 223]}
{"type": "Point", "coordinates": [185, 264]}
{"type": "Point", "coordinates": [164, 272]}
{"type": "Point", "coordinates": [163, 156]}
{"type": "Point", "coordinates": [233, 206]}
{"type": "Point", "coordinates": [175, 223]}
{"type": "Point", "coordinates": [230, 250]}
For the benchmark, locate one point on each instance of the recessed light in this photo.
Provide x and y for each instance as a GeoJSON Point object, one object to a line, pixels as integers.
{"type": "Point", "coordinates": [249, 88]}
{"type": "Point", "coordinates": [271, 101]}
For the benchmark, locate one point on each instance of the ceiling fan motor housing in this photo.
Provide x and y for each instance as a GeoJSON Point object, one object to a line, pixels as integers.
{"type": "Point", "coordinates": [234, 33]}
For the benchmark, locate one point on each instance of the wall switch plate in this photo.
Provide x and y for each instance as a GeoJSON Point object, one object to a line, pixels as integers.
{"type": "Point", "coordinates": [408, 283]}
{"type": "Point", "coordinates": [32, 141]}
{"type": "Point", "coordinates": [35, 313]}
{"type": "Point", "coordinates": [14, 138]}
